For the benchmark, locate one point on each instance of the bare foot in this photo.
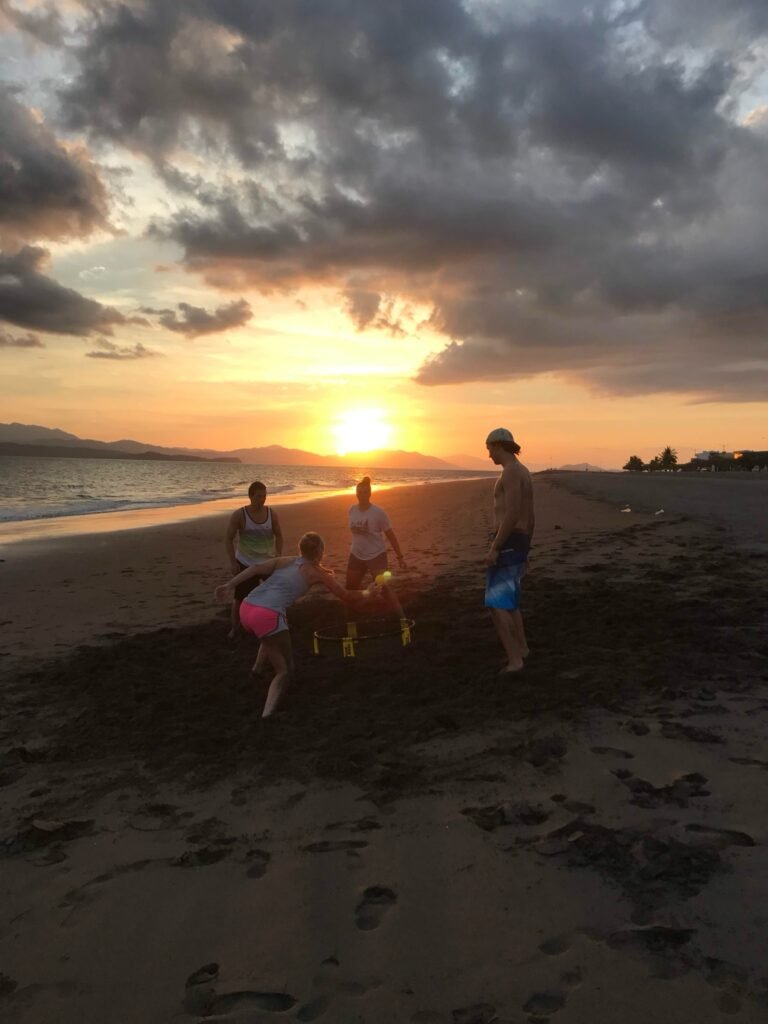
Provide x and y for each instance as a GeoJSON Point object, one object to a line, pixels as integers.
{"type": "Point", "coordinates": [512, 668]}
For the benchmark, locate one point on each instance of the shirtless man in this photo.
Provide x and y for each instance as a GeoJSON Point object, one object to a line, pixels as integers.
{"type": "Point", "coordinates": [508, 554]}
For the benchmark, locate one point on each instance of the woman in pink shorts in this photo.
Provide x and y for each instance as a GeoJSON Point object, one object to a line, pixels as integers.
{"type": "Point", "coordinates": [263, 611]}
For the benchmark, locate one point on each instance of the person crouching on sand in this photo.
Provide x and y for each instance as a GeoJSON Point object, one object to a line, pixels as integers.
{"type": "Point", "coordinates": [263, 611]}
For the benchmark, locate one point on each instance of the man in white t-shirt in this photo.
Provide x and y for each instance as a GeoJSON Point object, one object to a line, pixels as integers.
{"type": "Point", "coordinates": [371, 529]}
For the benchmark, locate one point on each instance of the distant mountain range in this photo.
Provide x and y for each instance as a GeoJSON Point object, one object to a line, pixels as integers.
{"type": "Point", "coordinates": [72, 451]}
{"type": "Point", "coordinates": [28, 439]}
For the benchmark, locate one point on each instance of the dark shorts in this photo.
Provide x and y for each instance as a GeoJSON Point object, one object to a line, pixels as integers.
{"type": "Point", "coordinates": [372, 565]}
{"type": "Point", "coordinates": [242, 590]}
{"type": "Point", "coordinates": [502, 582]}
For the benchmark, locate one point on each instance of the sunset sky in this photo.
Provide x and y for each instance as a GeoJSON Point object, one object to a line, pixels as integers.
{"type": "Point", "coordinates": [347, 224]}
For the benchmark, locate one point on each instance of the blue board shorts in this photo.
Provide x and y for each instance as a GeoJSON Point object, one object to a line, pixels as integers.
{"type": "Point", "coordinates": [502, 581]}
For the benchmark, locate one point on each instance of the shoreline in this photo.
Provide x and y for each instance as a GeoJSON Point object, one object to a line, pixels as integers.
{"type": "Point", "coordinates": [17, 531]}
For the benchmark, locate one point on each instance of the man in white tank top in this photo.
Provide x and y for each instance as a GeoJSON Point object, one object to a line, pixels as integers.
{"type": "Point", "coordinates": [253, 535]}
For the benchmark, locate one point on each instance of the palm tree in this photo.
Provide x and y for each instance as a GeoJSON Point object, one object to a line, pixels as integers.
{"type": "Point", "coordinates": [668, 458]}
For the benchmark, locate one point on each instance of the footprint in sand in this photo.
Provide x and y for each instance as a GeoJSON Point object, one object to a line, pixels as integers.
{"type": "Point", "coordinates": [200, 858]}
{"type": "Point", "coordinates": [332, 845]}
{"type": "Point", "coordinates": [543, 1004]}
{"type": "Point", "coordinates": [637, 728]}
{"type": "Point", "coordinates": [204, 975]}
{"type": "Point", "coordinates": [7, 985]}
{"type": "Point", "coordinates": [272, 1002]}
{"type": "Point", "coordinates": [480, 1013]}
{"type": "Point", "coordinates": [359, 825]}
{"type": "Point", "coordinates": [199, 990]}
{"type": "Point", "coordinates": [556, 945]}
{"type": "Point", "coordinates": [655, 939]}
{"type": "Point", "coordinates": [722, 836]}
{"type": "Point", "coordinates": [677, 730]}
{"type": "Point", "coordinates": [612, 752]}
{"type": "Point", "coordinates": [155, 817]}
{"type": "Point", "coordinates": [578, 807]}
{"type": "Point", "coordinates": [257, 863]}
{"type": "Point", "coordinates": [371, 910]}
{"type": "Point", "coordinates": [750, 761]}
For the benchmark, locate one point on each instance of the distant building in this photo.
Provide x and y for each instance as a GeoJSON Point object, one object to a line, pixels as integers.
{"type": "Point", "coordinates": [748, 459]}
{"type": "Point", "coordinates": [744, 459]}
{"type": "Point", "coordinates": [706, 456]}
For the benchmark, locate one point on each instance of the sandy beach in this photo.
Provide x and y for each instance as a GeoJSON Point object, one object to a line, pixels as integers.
{"type": "Point", "coordinates": [413, 839]}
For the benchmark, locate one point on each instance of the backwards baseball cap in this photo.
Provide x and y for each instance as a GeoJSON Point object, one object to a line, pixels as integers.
{"type": "Point", "coordinates": [499, 434]}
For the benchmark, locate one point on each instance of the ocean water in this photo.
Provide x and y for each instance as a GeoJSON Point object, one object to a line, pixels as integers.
{"type": "Point", "coordinates": [52, 488]}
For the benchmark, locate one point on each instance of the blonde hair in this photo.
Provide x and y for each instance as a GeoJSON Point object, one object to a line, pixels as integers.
{"type": "Point", "coordinates": [312, 546]}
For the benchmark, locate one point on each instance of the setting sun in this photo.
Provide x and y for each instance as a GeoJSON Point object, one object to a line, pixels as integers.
{"type": "Point", "coordinates": [361, 430]}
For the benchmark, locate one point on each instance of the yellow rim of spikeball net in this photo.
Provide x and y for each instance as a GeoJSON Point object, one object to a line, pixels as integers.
{"type": "Point", "coordinates": [350, 641]}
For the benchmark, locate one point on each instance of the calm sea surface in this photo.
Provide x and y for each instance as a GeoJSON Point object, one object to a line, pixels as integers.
{"type": "Point", "coordinates": [51, 488]}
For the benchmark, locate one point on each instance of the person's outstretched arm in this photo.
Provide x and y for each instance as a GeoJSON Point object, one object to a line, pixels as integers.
{"type": "Point", "coordinates": [350, 597]}
{"type": "Point", "coordinates": [221, 593]}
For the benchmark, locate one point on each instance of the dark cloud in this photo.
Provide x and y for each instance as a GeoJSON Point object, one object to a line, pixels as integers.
{"type": "Point", "coordinates": [47, 189]}
{"type": "Point", "coordinates": [30, 299]}
{"type": "Point", "coordinates": [571, 188]}
{"type": "Point", "coordinates": [369, 309]}
{"type": "Point", "coordinates": [24, 341]}
{"type": "Point", "coordinates": [195, 321]}
{"type": "Point", "coordinates": [362, 306]}
{"type": "Point", "coordinates": [109, 350]}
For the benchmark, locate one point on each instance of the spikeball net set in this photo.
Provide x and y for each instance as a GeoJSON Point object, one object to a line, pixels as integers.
{"type": "Point", "coordinates": [366, 638]}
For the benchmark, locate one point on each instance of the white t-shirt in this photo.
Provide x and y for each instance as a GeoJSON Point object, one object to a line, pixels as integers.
{"type": "Point", "coordinates": [368, 531]}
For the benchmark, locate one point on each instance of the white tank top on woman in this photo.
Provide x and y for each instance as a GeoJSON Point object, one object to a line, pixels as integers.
{"type": "Point", "coordinates": [255, 541]}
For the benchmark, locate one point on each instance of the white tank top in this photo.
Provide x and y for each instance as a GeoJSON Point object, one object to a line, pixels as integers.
{"type": "Point", "coordinates": [255, 541]}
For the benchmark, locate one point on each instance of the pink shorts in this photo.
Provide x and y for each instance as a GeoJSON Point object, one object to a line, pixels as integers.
{"type": "Point", "coordinates": [262, 622]}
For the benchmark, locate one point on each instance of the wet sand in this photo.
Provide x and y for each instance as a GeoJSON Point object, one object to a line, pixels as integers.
{"type": "Point", "coordinates": [413, 839]}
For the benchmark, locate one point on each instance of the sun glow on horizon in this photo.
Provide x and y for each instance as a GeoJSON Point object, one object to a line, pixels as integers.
{"type": "Point", "coordinates": [361, 430]}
